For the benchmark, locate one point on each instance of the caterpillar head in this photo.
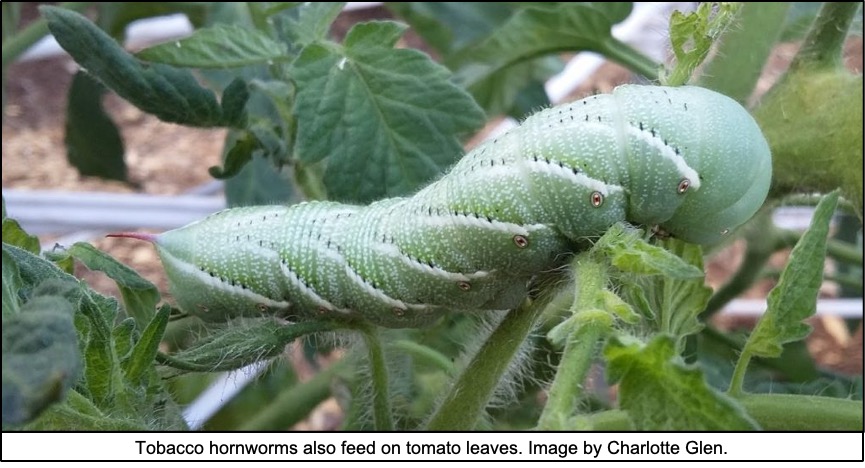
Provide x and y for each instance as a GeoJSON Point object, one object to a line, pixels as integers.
{"type": "Point", "coordinates": [720, 142]}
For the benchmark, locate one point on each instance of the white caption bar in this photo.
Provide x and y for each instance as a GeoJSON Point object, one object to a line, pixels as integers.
{"type": "Point", "coordinates": [408, 446]}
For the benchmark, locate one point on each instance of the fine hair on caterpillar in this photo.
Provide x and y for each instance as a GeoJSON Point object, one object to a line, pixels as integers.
{"type": "Point", "coordinates": [689, 161]}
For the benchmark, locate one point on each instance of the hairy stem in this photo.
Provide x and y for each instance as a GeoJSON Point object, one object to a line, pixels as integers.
{"type": "Point", "coordinates": [775, 412]}
{"type": "Point", "coordinates": [464, 404]}
{"type": "Point", "coordinates": [839, 250]}
{"type": "Point", "coordinates": [564, 394]}
{"type": "Point", "coordinates": [756, 31]}
{"type": "Point", "coordinates": [426, 355]}
{"type": "Point", "coordinates": [381, 396]}
{"type": "Point", "coordinates": [803, 412]}
{"type": "Point", "coordinates": [825, 40]}
{"type": "Point", "coordinates": [292, 406]}
{"type": "Point", "coordinates": [738, 378]}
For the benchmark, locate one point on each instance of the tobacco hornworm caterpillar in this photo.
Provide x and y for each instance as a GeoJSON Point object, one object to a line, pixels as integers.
{"type": "Point", "coordinates": [688, 160]}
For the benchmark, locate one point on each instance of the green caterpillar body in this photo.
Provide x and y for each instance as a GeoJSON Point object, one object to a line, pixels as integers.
{"type": "Point", "coordinates": [688, 160]}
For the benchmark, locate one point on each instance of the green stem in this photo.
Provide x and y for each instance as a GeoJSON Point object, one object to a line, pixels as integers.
{"type": "Point", "coordinates": [852, 281]}
{"type": "Point", "coordinates": [775, 412]}
{"type": "Point", "coordinates": [11, 17]}
{"type": "Point", "coordinates": [781, 412]}
{"type": "Point", "coordinates": [825, 40]}
{"type": "Point", "coordinates": [735, 344]}
{"type": "Point", "coordinates": [742, 49]}
{"type": "Point", "coordinates": [426, 355]}
{"type": "Point", "coordinates": [839, 250]}
{"type": "Point", "coordinates": [631, 58]}
{"type": "Point", "coordinates": [380, 398]}
{"type": "Point", "coordinates": [464, 404]}
{"type": "Point", "coordinates": [564, 394]}
{"type": "Point", "coordinates": [738, 379]}
{"type": "Point", "coordinates": [848, 280]}
{"type": "Point", "coordinates": [171, 361]}
{"type": "Point", "coordinates": [21, 41]}
{"type": "Point", "coordinates": [615, 420]}
{"type": "Point", "coordinates": [294, 405]}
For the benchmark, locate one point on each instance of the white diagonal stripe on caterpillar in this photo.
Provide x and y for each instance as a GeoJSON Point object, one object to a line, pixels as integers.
{"type": "Point", "coordinates": [219, 283]}
{"type": "Point", "coordinates": [556, 169]}
{"type": "Point", "coordinates": [479, 221]}
{"type": "Point", "coordinates": [394, 252]}
{"type": "Point", "coordinates": [371, 290]}
{"type": "Point", "coordinates": [651, 138]}
{"type": "Point", "coordinates": [306, 290]}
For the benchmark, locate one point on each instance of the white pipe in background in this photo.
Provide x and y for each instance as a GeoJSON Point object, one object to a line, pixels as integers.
{"type": "Point", "coordinates": [50, 212]}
